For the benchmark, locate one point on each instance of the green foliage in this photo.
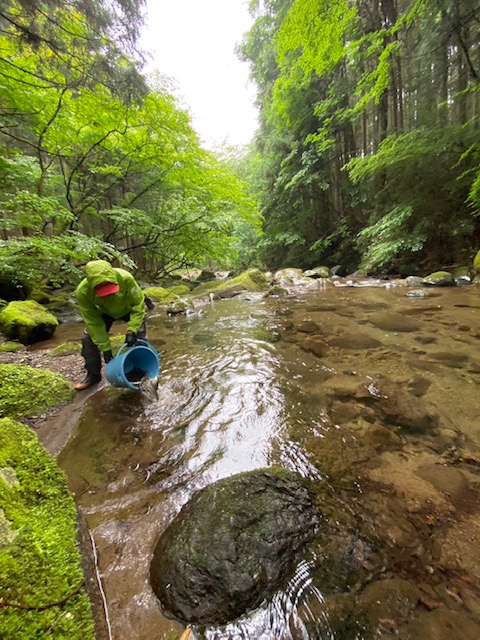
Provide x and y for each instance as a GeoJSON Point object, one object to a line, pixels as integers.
{"type": "Point", "coordinates": [390, 237]}
{"type": "Point", "coordinates": [57, 259]}
{"type": "Point", "coordinates": [315, 31]}
{"type": "Point", "coordinates": [387, 90]}
{"type": "Point", "coordinates": [42, 581]}
{"type": "Point", "coordinates": [96, 171]}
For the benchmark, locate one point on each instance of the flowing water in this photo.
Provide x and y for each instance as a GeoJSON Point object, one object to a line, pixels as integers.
{"type": "Point", "coordinates": [368, 393]}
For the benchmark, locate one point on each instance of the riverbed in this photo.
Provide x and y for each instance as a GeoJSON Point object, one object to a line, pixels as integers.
{"type": "Point", "coordinates": [368, 393]}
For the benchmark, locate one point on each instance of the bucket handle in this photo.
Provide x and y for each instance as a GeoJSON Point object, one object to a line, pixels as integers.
{"type": "Point", "coordinates": [139, 340]}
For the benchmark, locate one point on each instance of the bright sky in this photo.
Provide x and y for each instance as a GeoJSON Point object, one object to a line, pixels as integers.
{"type": "Point", "coordinates": [193, 41]}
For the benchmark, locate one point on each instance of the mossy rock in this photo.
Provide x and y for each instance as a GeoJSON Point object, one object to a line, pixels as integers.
{"type": "Point", "coordinates": [250, 280]}
{"type": "Point", "coordinates": [476, 263]}
{"type": "Point", "coordinates": [25, 391]}
{"type": "Point", "coordinates": [3, 303]}
{"type": "Point", "coordinates": [318, 272]}
{"type": "Point", "coordinates": [276, 290]}
{"type": "Point", "coordinates": [39, 296]}
{"type": "Point", "coordinates": [43, 594]}
{"type": "Point", "coordinates": [27, 321]}
{"type": "Point", "coordinates": [60, 302]}
{"type": "Point", "coordinates": [10, 346]}
{"type": "Point", "coordinates": [462, 275]}
{"type": "Point", "coordinates": [179, 289]}
{"type": "Point", "coordinates": [439, 279]}
{"type": "Point", "coordinates": [66, 349]}
{"type": "Point", "coordinates": [161, 295]}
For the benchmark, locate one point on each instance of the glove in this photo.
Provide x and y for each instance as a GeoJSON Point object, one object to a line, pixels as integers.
{"type": "Point", "coordinates": [107, 356]}
{"type": "Point", "coordinates": [131, 339]}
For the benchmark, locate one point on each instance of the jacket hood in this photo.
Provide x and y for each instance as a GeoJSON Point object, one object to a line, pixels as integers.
{"type": "Point", "coordinates": [99, 271]}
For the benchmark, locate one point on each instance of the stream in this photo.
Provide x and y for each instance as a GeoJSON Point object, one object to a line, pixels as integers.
{"type": "Point", "coordinates": [369, 394]}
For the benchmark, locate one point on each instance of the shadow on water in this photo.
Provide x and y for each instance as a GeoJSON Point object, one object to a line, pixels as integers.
{"type": "Point", "coordinates": [369, 394]}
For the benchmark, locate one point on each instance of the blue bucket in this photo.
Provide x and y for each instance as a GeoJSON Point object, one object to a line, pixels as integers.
{"type": "Point", "coordinates": [140, 358]}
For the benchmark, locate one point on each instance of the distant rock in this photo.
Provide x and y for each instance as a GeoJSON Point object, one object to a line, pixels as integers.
{"type": "Point", "coordinates": [439, 279]}
{"type": "Point", "coordinates": [318, 272]}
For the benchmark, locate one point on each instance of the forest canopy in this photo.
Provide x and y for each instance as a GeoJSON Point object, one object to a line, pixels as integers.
{"type": "Point", "coordinates": [368, 152]}
{"type": "Point", "coordinates": [96, 158]}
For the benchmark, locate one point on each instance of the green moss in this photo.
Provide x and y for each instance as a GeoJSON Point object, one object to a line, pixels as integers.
{"type": "Point", "coordinates": [25, 391]}
{"type": "Point", "coordinates": [179, 289]}
{"type": "Point", "coordinates": [40, 568]}
{"type": "Point", "coordinates": [476, 262]}
{"type": "Point", "coordinates": [27, 321]}
{"type": "Point", "coordinates": [65, 349]}
{"type": "Point", "coordinates": [250, 280]}
{"type": "Point", "coordinates": [9, 346]}
{"type": "Point", "coordinates": [161, 295]}
{"type": "Point", "coordinates": [439, 279]}
{"type": "Point", "coordinates": [39, 296]}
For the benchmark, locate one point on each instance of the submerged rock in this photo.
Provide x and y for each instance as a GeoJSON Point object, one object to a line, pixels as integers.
{"type": "Point", "coordinates": [233, 545]}
{"type": "Point", "coordinates": [393, 322]}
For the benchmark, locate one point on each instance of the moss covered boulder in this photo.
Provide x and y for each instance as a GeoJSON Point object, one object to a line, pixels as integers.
{"type": "Point", "coordinates": [252, 280]}
{"type": "Point", "coordinates": [161, 295]}
{"type": "Point", "coordinates": [233, 545]}
{"type": "Point", "coordinates": [42, 592]}
{"type": "Point", "coordinates": [27, 321]}
{"type": "Point", "coordinates": [439, 279]}
{"type": "Point", "coordinates": [179, 289]}
{"type": "Point", "coordinates": [25, 391]}
{"type": "Point", "coordinates": [40, 296]}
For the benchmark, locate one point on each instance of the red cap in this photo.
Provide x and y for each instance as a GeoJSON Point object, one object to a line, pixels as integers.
{"type": "Point", "coordinates": [106, 289]}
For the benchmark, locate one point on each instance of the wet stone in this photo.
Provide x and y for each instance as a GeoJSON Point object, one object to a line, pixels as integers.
{"type": "Point", "coordinates": [354, 341]}
{"type": "Point", "coordinates": [379, 436]}
{"type": "Point", "coordinates": [393, 322]}
{"type": "Point", "coordinates": [315, 345]}
{"type": "Point", "coordinates": [417, 293]}
{"type": "Point", "coordinates": [396, 407]}
{"type": "Point", "coordinates": [444, 479]}
{"type": "Point", "coordinates": [442, 623]}
{"type": "Point", "coordinates": [449, 358]}
{"type": "Point", "coordinates": [234, 544]}
{"type": "Point", "coordinates": [308, 326]}
{"type": "Point", "coordinates": [389, 599]}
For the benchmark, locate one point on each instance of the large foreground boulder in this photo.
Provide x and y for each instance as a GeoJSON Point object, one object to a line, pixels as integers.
{"type": "Point", "coordinates": [233, 545]}
{"type": "Point", "coordinates": [27, 321]}
{"type": "Point", "coordinates": [42, 583]}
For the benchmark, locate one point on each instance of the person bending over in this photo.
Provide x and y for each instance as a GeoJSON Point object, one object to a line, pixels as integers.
{"type": "Point", "coordinates": [105, 295]}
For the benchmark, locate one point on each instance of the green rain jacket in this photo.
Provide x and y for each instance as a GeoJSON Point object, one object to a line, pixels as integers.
{"type": "Point", "coordinates": [129, 300]}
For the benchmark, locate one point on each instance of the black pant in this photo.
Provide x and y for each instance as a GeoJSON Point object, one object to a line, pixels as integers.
{"type": "Point", "coordinates": [90, 351]}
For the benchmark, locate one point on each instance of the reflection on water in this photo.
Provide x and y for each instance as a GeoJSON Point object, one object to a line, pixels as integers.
{"type": "Point", "coordinates": [367, 392]}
